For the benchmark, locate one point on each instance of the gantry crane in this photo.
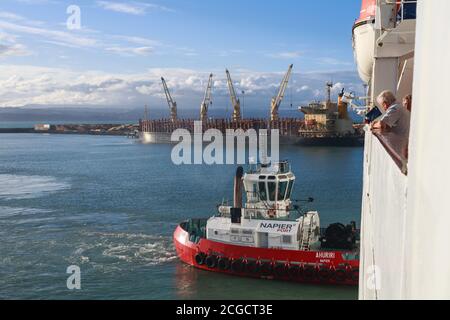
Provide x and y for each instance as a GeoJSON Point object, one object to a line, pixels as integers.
{"type": "Point", "coordinates": [276, 101]}
{"type": "Point", "coordinates": [234, 100]}
{"type": "Point", "coordinates": [207, 100]}
{"type": "Point", "coordinates": [172, 104]}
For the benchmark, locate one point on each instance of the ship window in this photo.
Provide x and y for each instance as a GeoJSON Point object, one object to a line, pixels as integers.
{"type": "Point", "coordinates": [235, 231]}
{"type": "Point", "coordinates": [282, 186]}
{"type": "Point", "coordinates": [286, 239]}
{"type": "Point", "coordinates": [289, 191]}
{"type": "Point", "coordinates": [272, 190]}
{"type": "Point", "coordinates": [247, 232]}
{"type": "Point", "coordinates": [262, 191]}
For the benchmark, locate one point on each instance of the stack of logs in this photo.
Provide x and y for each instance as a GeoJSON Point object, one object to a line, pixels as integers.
{"type": "Point", "coordinates": [287, 126]}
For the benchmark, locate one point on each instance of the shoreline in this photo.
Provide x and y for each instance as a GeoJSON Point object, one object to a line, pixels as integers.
{"type": "Point", "coordinates": [83, 129]}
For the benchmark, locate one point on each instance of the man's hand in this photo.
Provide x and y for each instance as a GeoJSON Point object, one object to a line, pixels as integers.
{"type": "Point", "coordinates": [375, 125]}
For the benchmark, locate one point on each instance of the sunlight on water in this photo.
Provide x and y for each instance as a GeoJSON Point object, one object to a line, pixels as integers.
{"type": "Point", "coordinates": [27, 187]}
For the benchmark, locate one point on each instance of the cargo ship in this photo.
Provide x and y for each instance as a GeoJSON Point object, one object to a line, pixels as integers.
{"type": "Point", "coordinates": [269, 236]}
{"type": "Point", "coordinates": [326, 124]}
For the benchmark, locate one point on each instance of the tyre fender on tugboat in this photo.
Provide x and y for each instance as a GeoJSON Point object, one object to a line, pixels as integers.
{"type": "Point", "coordinates": [280, 269]}
{"type": "Point", "coordinates": [324, 273]}
{"type": "Point", "coordinates": [237, 265]}
{"type": "Point", "coordinates": [340, 274]}
{"type": "Point", "coordinates": [253, 267]}
{"type": "Point", "coordinates": [309, 272]}
{"type": "Point", "coordinates": [293, 271]}
{"type": "Point", "coordinates": [266, 268]}
{"type": "Point", "coordinates": [354, 274]}
{"type": "Point", "coordinates": [211, 261]}
{"type": "Point", "coordinates": [223, 263]}
{"type": "Point", "coordinates": [200, 258]}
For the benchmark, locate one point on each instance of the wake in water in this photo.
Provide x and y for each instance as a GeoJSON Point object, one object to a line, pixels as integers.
{"type": "Point", "coordinates": [16, 187]}
{"type": "Point", "coordinates": [125, 247]}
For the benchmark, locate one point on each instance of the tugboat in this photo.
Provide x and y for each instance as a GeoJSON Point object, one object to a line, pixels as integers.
{"type": "Point", "coordinates": [270, 236]}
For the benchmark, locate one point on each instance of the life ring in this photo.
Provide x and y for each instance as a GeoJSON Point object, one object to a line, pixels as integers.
{"type": "Point", "coordinates": [211, 262]}
{"type": "Point", "coordinates": [253, 267]}
{"type": "Point", "coordinates": [200, 258]}
{"type": "Point", "coordinates": [237, 265]}
{"type": "Point", "coordinates": [266, 268]}
{"type": "Point", "coordinates": [280, 270]}
{"type": "Point", "coordinates": [294, 271]}
{"type": "Point", "coordinates": [223, 264]}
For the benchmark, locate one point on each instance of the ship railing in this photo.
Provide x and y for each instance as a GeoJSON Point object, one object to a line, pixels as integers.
{"type": "Point", "coordinates": [263, 213]}
{"type": "Point", "coordinates": [396, 146]}
{"type": "Point", "coordinates": [407, 9]}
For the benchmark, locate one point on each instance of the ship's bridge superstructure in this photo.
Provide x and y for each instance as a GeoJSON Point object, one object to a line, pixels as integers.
{"type": "Point", "coordinates": [267, 219]}
{"type": "Point", "coordinates": [268, 191]}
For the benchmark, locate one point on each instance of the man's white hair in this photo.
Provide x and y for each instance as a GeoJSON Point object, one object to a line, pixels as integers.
{"type": "Point", "coordinates": [386, 97]}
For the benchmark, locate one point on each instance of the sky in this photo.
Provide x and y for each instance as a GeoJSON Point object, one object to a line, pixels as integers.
{"type": "Point", "coordinates": [122, 48]}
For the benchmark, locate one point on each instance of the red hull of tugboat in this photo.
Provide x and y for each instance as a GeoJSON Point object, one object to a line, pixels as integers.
{"type": "Point", "coordinates": [320, 267]}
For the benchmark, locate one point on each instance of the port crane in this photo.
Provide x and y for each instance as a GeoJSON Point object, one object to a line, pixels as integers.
{"type": "Point", "coordinates": [207, 100]}
{"type": "Point", "coordinates": [234, 100]}
{"type": "Point", "coordinates": [172, 104]}
{"type": "Point", "coordinates": [276, 101]}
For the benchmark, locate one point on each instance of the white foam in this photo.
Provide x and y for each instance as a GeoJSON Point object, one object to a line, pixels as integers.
{"type": "Point", "coordinates": [130, 248]}
{"type": "Point", "coordinates": [14, 187]}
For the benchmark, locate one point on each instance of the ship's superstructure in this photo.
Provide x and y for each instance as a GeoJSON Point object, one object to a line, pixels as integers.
{"type": "Point", "coordinates": [404, 228]}
{"type": "Point", "coordinates": [329, 119]}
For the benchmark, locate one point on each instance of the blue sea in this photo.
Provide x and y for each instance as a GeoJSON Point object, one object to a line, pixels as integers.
{"type": "Point", "coordinates": [110, 204]}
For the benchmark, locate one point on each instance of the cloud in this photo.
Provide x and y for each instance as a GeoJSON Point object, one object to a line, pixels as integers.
{"type": "Point", "coordinates": [286, 55]}
{"type": "Point", "coordinates": [131, 51]}
{"type": "Point", "coordinates": [10, 47]}
{"type": "Point", "coordinates": [334, 62]}
{"type": "Point", "coordinates": [62, 37]}
{"type": "Point", "coordinates": [13, 50]}
{"type": "Point", "coordinates": [134, 8]}
{"type": "Point", "coordinates": [31, 85]}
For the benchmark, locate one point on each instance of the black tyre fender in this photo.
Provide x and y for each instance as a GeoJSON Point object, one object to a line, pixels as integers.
{"type": "Point", "coordinates": [200, 258]}
{"type": "Point", "coordinates": [266, 268]}
{"type": "Point", "coordinates": [324, 273]}
{"type": "Point", "coordinates": [253, 267]}
{"type": "Point", "coordinates": [309, 273]}
{"type": "Point", "coordinates": [280, 270]}
{"type": "Point", "coordinates": [340, 274]}
{"type": "Point", "coordinates": [237, 265]}
{"type": "Point", "coordinates": [211, 262]}
{"type": "Point", "coordinates": [354, 274]}
{"type": "Point", "coordinates": [223, 264]}
{"type": "Point", "coordinates": [294, 271]}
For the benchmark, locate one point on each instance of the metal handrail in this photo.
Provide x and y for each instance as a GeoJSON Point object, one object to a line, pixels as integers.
{"type": "Point", "coordinates": [402, 6]}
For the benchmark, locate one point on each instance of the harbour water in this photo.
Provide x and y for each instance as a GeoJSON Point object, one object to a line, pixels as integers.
{"type": "Point", "coordinates": [110, 205]}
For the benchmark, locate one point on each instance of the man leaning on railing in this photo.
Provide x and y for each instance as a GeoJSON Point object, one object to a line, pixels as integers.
{"type": "Point", "coordinates": [396, 119]}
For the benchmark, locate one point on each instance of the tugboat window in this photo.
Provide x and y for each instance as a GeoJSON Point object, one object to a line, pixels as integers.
{"type": "Point", "coordinates": [262, 191]}
{"type": "Point", "coordinates": [287, 239]}
{"type": "Point", "coordinates": [282, 186]}
{"type": "Point", "coordinates": [289, 191]}
{"type": "Point", "coordinates": [272, 190]}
